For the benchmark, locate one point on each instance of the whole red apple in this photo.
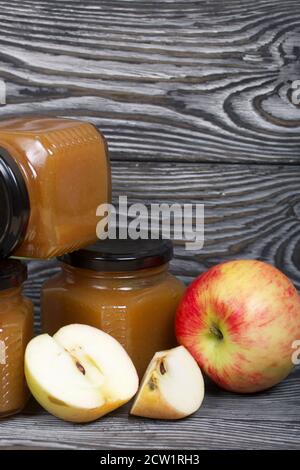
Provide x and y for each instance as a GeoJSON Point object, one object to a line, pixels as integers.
{"type": "Point", "coordinates": [239, 320]}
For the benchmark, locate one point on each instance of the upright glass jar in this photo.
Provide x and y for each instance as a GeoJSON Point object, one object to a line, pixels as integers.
{"type": "Point", "coordinates": [16, 330]}
{"type": "Point", "coordinates": [122, 287]}
{"type": "Point", "coordinates": [54, 173]}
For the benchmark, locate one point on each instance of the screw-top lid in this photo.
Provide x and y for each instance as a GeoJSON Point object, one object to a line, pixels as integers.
{"type": "Point", "coordinates": [14, 204]}
{"type": "Point", "coordinates": [12, 273]}
{"type": "Point", "coordinates": [121, 255]}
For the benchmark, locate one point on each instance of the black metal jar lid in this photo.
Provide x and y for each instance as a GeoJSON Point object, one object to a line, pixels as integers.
{"type": "Point", "coordinates": [14, 204]}
{"type": "Point", "coordinates": [121, 255]}
{"type": "Point", "coordinates": [12, 273]}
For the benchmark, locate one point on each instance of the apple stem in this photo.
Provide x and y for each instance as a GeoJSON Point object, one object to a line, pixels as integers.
{"type": "Point", "coordinates": [216, 331]}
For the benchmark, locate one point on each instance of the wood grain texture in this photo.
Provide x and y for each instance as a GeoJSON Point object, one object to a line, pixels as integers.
{"type": "Point", "coordinates": [251, 211]}
{"type": "Point", "coordinates": [175, 81]}
{"type": "Point", "coordinates": [225, 421]}
{"type": "Point", "coordinates": [182, 90]}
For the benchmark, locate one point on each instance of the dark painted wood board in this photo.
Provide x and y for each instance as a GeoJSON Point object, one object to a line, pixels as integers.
{"type": "Point", "coordinates": [249, 211]}
{"type": "Point", "coordinates": [225, 421]}
{"type": "Point", "coordinates": [172, 80]}
{"type": "Point", "coordinates": [195, 99]}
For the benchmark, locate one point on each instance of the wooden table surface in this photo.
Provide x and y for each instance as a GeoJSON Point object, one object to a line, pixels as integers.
{"type": "Point", "coordinates": [197, 102]}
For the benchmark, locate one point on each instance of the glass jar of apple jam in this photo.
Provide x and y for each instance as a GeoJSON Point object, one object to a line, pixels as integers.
{"type": "Point", "coordinates": [123, 287]}
{"type": "Point", "coordinates": [54, 173]}
{"type": "Point", "coordinates": [16, 330]}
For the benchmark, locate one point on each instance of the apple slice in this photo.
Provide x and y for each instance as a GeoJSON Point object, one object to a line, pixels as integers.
{"type": "Point", "coordinates": [79, 374]}
{"type": "Point", "coordinates": [172, 387]}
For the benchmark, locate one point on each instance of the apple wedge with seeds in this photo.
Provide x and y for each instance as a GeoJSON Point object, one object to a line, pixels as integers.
{"type": "Point", "coordinates": [172, 387]}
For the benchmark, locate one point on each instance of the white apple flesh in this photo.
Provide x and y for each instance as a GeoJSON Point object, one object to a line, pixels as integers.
{"type": "Point", "coordinates": [172, 387]}
{"type": "Point", "coordinates": [79, 374]}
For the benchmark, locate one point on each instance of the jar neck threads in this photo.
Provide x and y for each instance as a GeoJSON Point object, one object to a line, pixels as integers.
{"type": "Point", "coordinates": [141, 277]}
{"type": "Point", "coordinates": [14, 204]}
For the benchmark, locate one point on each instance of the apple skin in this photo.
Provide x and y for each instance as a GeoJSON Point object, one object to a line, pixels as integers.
{"type": "Point", "coordinates": [239, 320]}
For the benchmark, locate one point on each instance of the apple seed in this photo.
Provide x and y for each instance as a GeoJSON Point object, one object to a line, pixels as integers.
{"type": "Point", "coordinates": [80, 367]}
{"type": "Point", "coordinates": [162, 367]}
{"type": "Point", "coordinates": [152, 384]}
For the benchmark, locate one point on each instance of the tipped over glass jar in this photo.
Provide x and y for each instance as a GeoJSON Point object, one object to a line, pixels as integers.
{"type": "Point", "coordinates": [54, 173]}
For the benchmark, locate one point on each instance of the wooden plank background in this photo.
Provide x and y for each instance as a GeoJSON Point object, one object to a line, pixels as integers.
{"type": "Point", "coordinates": [195, 99]}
